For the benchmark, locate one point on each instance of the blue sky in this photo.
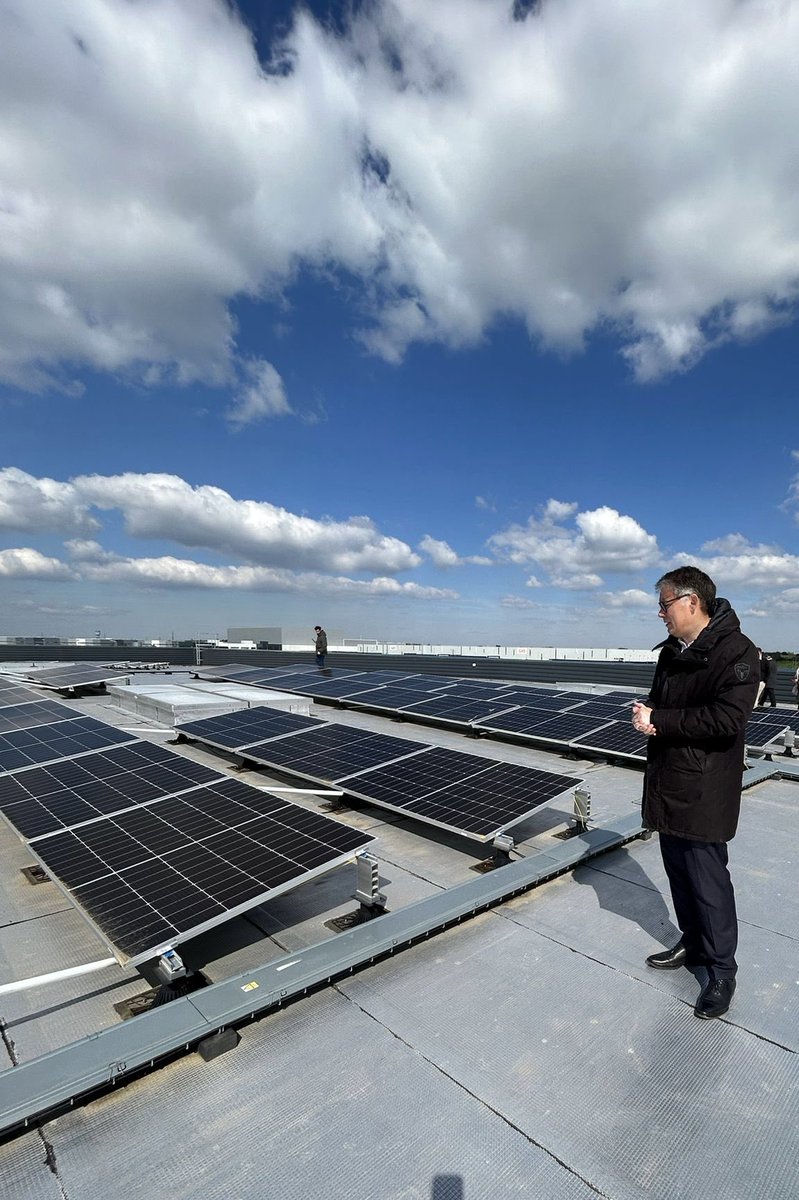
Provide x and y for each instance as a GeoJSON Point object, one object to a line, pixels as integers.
{"type": "Point", "coordinates": [423, 322]}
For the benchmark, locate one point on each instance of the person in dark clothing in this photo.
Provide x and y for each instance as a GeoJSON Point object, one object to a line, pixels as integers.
{"type": "Point", "coordinates": [695, 719]}
{"type": "Point", "coordinates": [320, 645]}
{"type": "Point", "coordinates": [769, 670]}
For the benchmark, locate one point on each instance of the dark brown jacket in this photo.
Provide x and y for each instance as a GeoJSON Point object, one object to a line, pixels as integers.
{"type": "Point", "coordinates": [701, 699]}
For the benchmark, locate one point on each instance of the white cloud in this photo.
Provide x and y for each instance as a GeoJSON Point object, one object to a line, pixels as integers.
{"type": "Point", "coordinates": [442, 554]}
{"type": "Point", "coordinates": [181, 573]}
{"type": "Point", "coordinates": [630, 598]}
{"type": "Point", "coordinates": [745, 565]}
{"type": "Point", "coordinates": [604, 541]}
{"type": "Point", "coordinates": [24, 563]}
{"type": "Point", "coordinates": [261, 395]}
{"type": "Point", "coordinates": [167, 507]}
{"type": "Point", "coordinates": [517, 602]}
{"type": "Point", "coordinates": [556, 511]}
{"type": "Point", "coordinates": [30, 505]}
{"type": "Point", "coordinates": [595, 164]}
{"type": "Point", "coordinates": [82, 550]}
{"type": "Point", "coordinates": [576, 583]}
{"type": "Point", "coordinates": [482, 502]}
{"type": "Point", "coordinates": [94, 565]}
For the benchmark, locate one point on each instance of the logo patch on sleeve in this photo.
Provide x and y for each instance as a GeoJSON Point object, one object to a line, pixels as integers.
{"type": "Point", "coordinates": [742, 671]}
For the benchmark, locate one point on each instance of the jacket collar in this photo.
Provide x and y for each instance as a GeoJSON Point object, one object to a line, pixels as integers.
{"type": "Point", "coordinates": [723, 622]}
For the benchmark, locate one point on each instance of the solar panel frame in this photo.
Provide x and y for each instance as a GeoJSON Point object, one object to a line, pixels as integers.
{"type": "Point", "coordinates": [155, 876]}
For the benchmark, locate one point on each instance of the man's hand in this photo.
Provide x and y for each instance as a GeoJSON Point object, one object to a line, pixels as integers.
{"type": "Point", "coordinates": [642, 719]}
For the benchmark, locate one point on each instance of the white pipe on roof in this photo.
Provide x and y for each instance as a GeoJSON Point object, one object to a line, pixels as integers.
{"type": "Point", "coordinates": [20, 985]}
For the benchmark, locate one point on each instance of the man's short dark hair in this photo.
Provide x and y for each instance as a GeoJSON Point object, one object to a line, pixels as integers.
{"type": "Point", "coordinates": [685, 581]}
{"type": "Point", "coordinates": [317, 626]}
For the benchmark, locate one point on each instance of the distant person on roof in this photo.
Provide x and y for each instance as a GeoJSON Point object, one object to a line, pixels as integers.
{"type": "Point", "coordinates": [320, 645]}
{"type": "Point", "coordinates": [770, 670]}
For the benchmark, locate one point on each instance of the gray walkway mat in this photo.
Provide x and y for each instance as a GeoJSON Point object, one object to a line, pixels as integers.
{"type": "Point", "coordinates": [293, 1114]}
{"type": "Point", "coordinates": [619, 1082]}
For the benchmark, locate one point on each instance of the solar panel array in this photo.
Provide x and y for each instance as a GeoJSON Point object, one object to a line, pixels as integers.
{"type": "Point", "coordinates": [150, 846]}
{"type": "Point", "coordinates": [555, 717]}
{"type": "Point", "coordinates": [568, 719]}
{"type": "Point", "coordinates": [154, 875]}
{"type": "Point", "coordinates": [464, 793]}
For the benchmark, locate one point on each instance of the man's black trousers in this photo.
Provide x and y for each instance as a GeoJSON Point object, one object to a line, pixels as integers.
{"type": "Point", "coordinates": [704, 901]}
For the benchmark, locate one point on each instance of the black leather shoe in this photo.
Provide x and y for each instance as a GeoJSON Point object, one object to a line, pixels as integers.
{"type": "Point", "coordinates": [668, 960]}
{"type": "Point", "coordinates": [715, 998]}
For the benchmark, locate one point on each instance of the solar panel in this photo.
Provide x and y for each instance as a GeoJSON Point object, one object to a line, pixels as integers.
{"type": "Point", "coordinates": [19, 695]}
{"type": "Point", "coordinates": [481, 807]}
{"type": "Point", "coordinates": [338, 687]}
{"type": "Point", "coordinates": [425, 683]}
{"type": "Point", "coordinates": [442, 708]}
{"type": "Point", "coordinates": [475, 690]}
{"type": "Point", "coordinates": [388, 697]}
{"type": "Point", "coordinates": [768, 715]}
{"type": "Point", "coordinates": [8, 682]}
{"type": "Point", "coordinates": [608, 712]}
{"type": "Point", "coordinates": [334, 752]}
{"type": "Point", "coordinates": [40, 800]}
{"type": "Point", "coordinates": [298, 681]}
{"type": "Point", "coordinates": [40, 712]}
{"type": "Point", "coordinates": [75, 675]}
{"type": "Point", "coordinates": [248, 675]}
{"type": "Point", "coordinates": [563, 727]}
{"type": "Point", "coordinates": [547, 700]}
{"type": "Point", "coordinates": [618, 738]}
{"type": "Point", "coordinates": [761, 733]}
{"type": "Point", "coordinates": [237, 730]}
{"type": "Point", "coordinates": [221, 671]}
{"type": "Point", "coordinates": [49, 743]}
{"type": "Point", "coordinates": [153, 876]}
{"type": "Point", "coordinates": [378, 678]}
{"type": "Point", "coordinates": [518, 720]}
{"type": "Point", "coordinates": [473, 796]}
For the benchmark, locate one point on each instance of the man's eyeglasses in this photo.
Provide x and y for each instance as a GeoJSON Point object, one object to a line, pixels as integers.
{"type": "Point", "coordinates": [665, 605]}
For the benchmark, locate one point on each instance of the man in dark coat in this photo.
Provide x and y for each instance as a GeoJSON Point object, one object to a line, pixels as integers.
{"type": "Point", "coordinates": [695, 718]}
{"type": "Point", "coordinates": [770, 669]}
{"type": "Point", "coordinates": [320, 645]}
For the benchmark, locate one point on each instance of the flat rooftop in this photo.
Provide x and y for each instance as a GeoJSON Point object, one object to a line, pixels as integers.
{"type": "Point", "coordinates": [526, 1051]}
